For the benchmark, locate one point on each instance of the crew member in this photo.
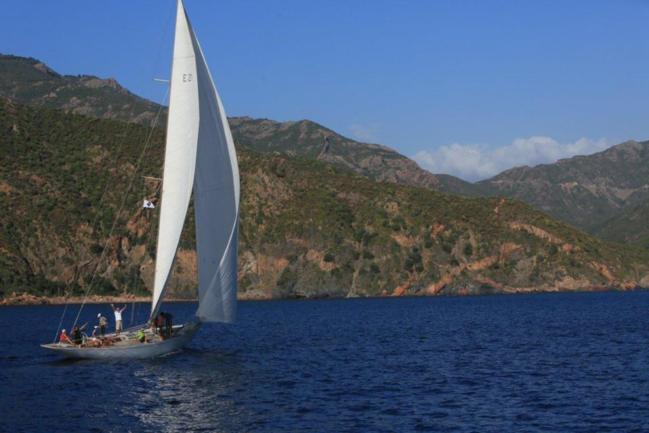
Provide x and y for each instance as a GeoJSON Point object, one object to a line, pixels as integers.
{"type": "Point", "coordinates": [118, 318]}
{"type": "Point", "coordinates": [103, 322]}
{"type": "Point", "coordinates": [64, 338]}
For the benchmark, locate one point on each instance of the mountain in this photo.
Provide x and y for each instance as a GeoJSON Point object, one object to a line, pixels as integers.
{"type": "Point", "coordinates": [29, 81]}
{"type": "Point", "coordinates": [71, 191]}
{"type": "Point", "coordinates": [630, 226]}
{"type": "Point", "coordinates": [310, 140]}
{"type": "Point", "coordinates": [584, 191]}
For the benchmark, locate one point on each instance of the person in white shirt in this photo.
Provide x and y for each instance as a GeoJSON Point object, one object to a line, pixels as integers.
{"type": "Point", "coordinates": [118, 318]}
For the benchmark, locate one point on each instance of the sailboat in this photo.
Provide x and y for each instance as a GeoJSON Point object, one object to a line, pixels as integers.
{"type": "Point", "coordinates": [200, 158]}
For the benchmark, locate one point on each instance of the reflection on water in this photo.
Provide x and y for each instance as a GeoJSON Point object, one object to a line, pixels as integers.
{"type": "Point", "coordinates": [192, 392]}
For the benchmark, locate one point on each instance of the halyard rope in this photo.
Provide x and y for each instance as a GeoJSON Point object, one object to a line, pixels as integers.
{"type": "Point", "coordinates": [96, 219]}
{"type": "Point", "coordinates": [117, 215]}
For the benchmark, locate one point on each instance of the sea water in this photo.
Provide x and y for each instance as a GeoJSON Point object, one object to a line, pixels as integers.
{"type": "Point", "coordinates": [518, 363]}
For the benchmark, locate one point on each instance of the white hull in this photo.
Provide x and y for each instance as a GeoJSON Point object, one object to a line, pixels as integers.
{"type": "Point", "coordinates": [131, 351]}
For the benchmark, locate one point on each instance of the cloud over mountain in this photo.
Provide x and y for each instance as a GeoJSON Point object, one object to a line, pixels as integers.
{"type": "Point", "coordinates": [474, 162]}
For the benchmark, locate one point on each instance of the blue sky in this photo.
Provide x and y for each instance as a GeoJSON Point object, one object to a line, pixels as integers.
{"type": "Point", "coordinates": [465, 87]}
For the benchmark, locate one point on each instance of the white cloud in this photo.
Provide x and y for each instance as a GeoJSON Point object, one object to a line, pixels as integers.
{"type": "Point", "coordinates": [474, 162]}
{"type": "Point", "coordinates": [365, 133]}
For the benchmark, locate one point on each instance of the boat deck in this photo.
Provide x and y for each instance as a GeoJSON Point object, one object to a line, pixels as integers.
{"type": "Point", "coordinates": [125, 338]}
{"type": "Point", "coordinates": [126, 344]}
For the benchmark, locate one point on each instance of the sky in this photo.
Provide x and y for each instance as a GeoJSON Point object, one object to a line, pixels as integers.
{"type": "Point", "coordinates": [468, 88]}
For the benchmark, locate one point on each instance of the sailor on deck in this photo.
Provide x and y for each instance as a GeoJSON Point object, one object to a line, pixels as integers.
{"type": "Point", "coordinates": [64, 338]}
{"type": "Point", "coordinates": [77, 333]}
{"type": "Point", "coordinates": [103, 322]}
{"type": "Point", "coordinates": [118, 318]}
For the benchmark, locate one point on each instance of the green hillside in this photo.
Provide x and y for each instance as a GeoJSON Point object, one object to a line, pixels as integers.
{"type": "Point", "coordinates": [308, 229]}
{"type": "Point", "coordinates": [29, 81]}
{"type": "Point", "coordinates": [630, 227]}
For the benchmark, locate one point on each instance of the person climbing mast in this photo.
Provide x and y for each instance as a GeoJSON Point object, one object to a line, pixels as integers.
{"type": "Point", "coordinates": [118, 317]}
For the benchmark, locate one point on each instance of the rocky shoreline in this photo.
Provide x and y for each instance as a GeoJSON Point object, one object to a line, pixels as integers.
{"type": "Point", "coordinates": [27, 299]}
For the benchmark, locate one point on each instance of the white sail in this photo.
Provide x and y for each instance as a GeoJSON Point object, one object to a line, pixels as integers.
{"type": "Point", "coordinates": [180, 154]}
{"type": "Point", "coordinates": [209, 162]}
{"type": "Point", "coordinates": [216, 203]}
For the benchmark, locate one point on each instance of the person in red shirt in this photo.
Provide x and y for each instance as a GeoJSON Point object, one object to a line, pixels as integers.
{"type": "Point", "coordinates": [64, 338]}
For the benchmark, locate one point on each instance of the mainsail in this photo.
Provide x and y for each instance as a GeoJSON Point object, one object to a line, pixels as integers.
{"type": "Point", "coordinates": [200, 154]}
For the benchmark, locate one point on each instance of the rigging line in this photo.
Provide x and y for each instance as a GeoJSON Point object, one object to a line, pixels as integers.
{"type": "Point", "coordinates": [163, 36]}
{"type": "Point", "coordinates": [96, 219]}
{"type": "Point", "coordinates": [128, 191]}
{"type": "Point", "coordinates": [132, 313]}
{"type": "Point", "coordinates": [146, 215]}
{"type": "Point", "coordinates": [134, 275]}
{"type": "Point", "coordinates": [118, 214]}
{"type": "Point", "coordinates": [61, 321]}
{"type": "Point", "coordinates": [108, 182]}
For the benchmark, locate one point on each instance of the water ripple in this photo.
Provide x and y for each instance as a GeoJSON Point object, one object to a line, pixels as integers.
{"type": "Point", "coordinates": [542, 363]}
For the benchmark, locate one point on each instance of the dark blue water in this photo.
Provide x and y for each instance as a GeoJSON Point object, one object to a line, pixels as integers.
{"type": "Point", "coordinates": [551, 363]}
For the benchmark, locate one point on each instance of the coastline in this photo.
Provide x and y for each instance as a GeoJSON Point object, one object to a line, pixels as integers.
{"type": "Point", "coordinates": [27, 299]}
